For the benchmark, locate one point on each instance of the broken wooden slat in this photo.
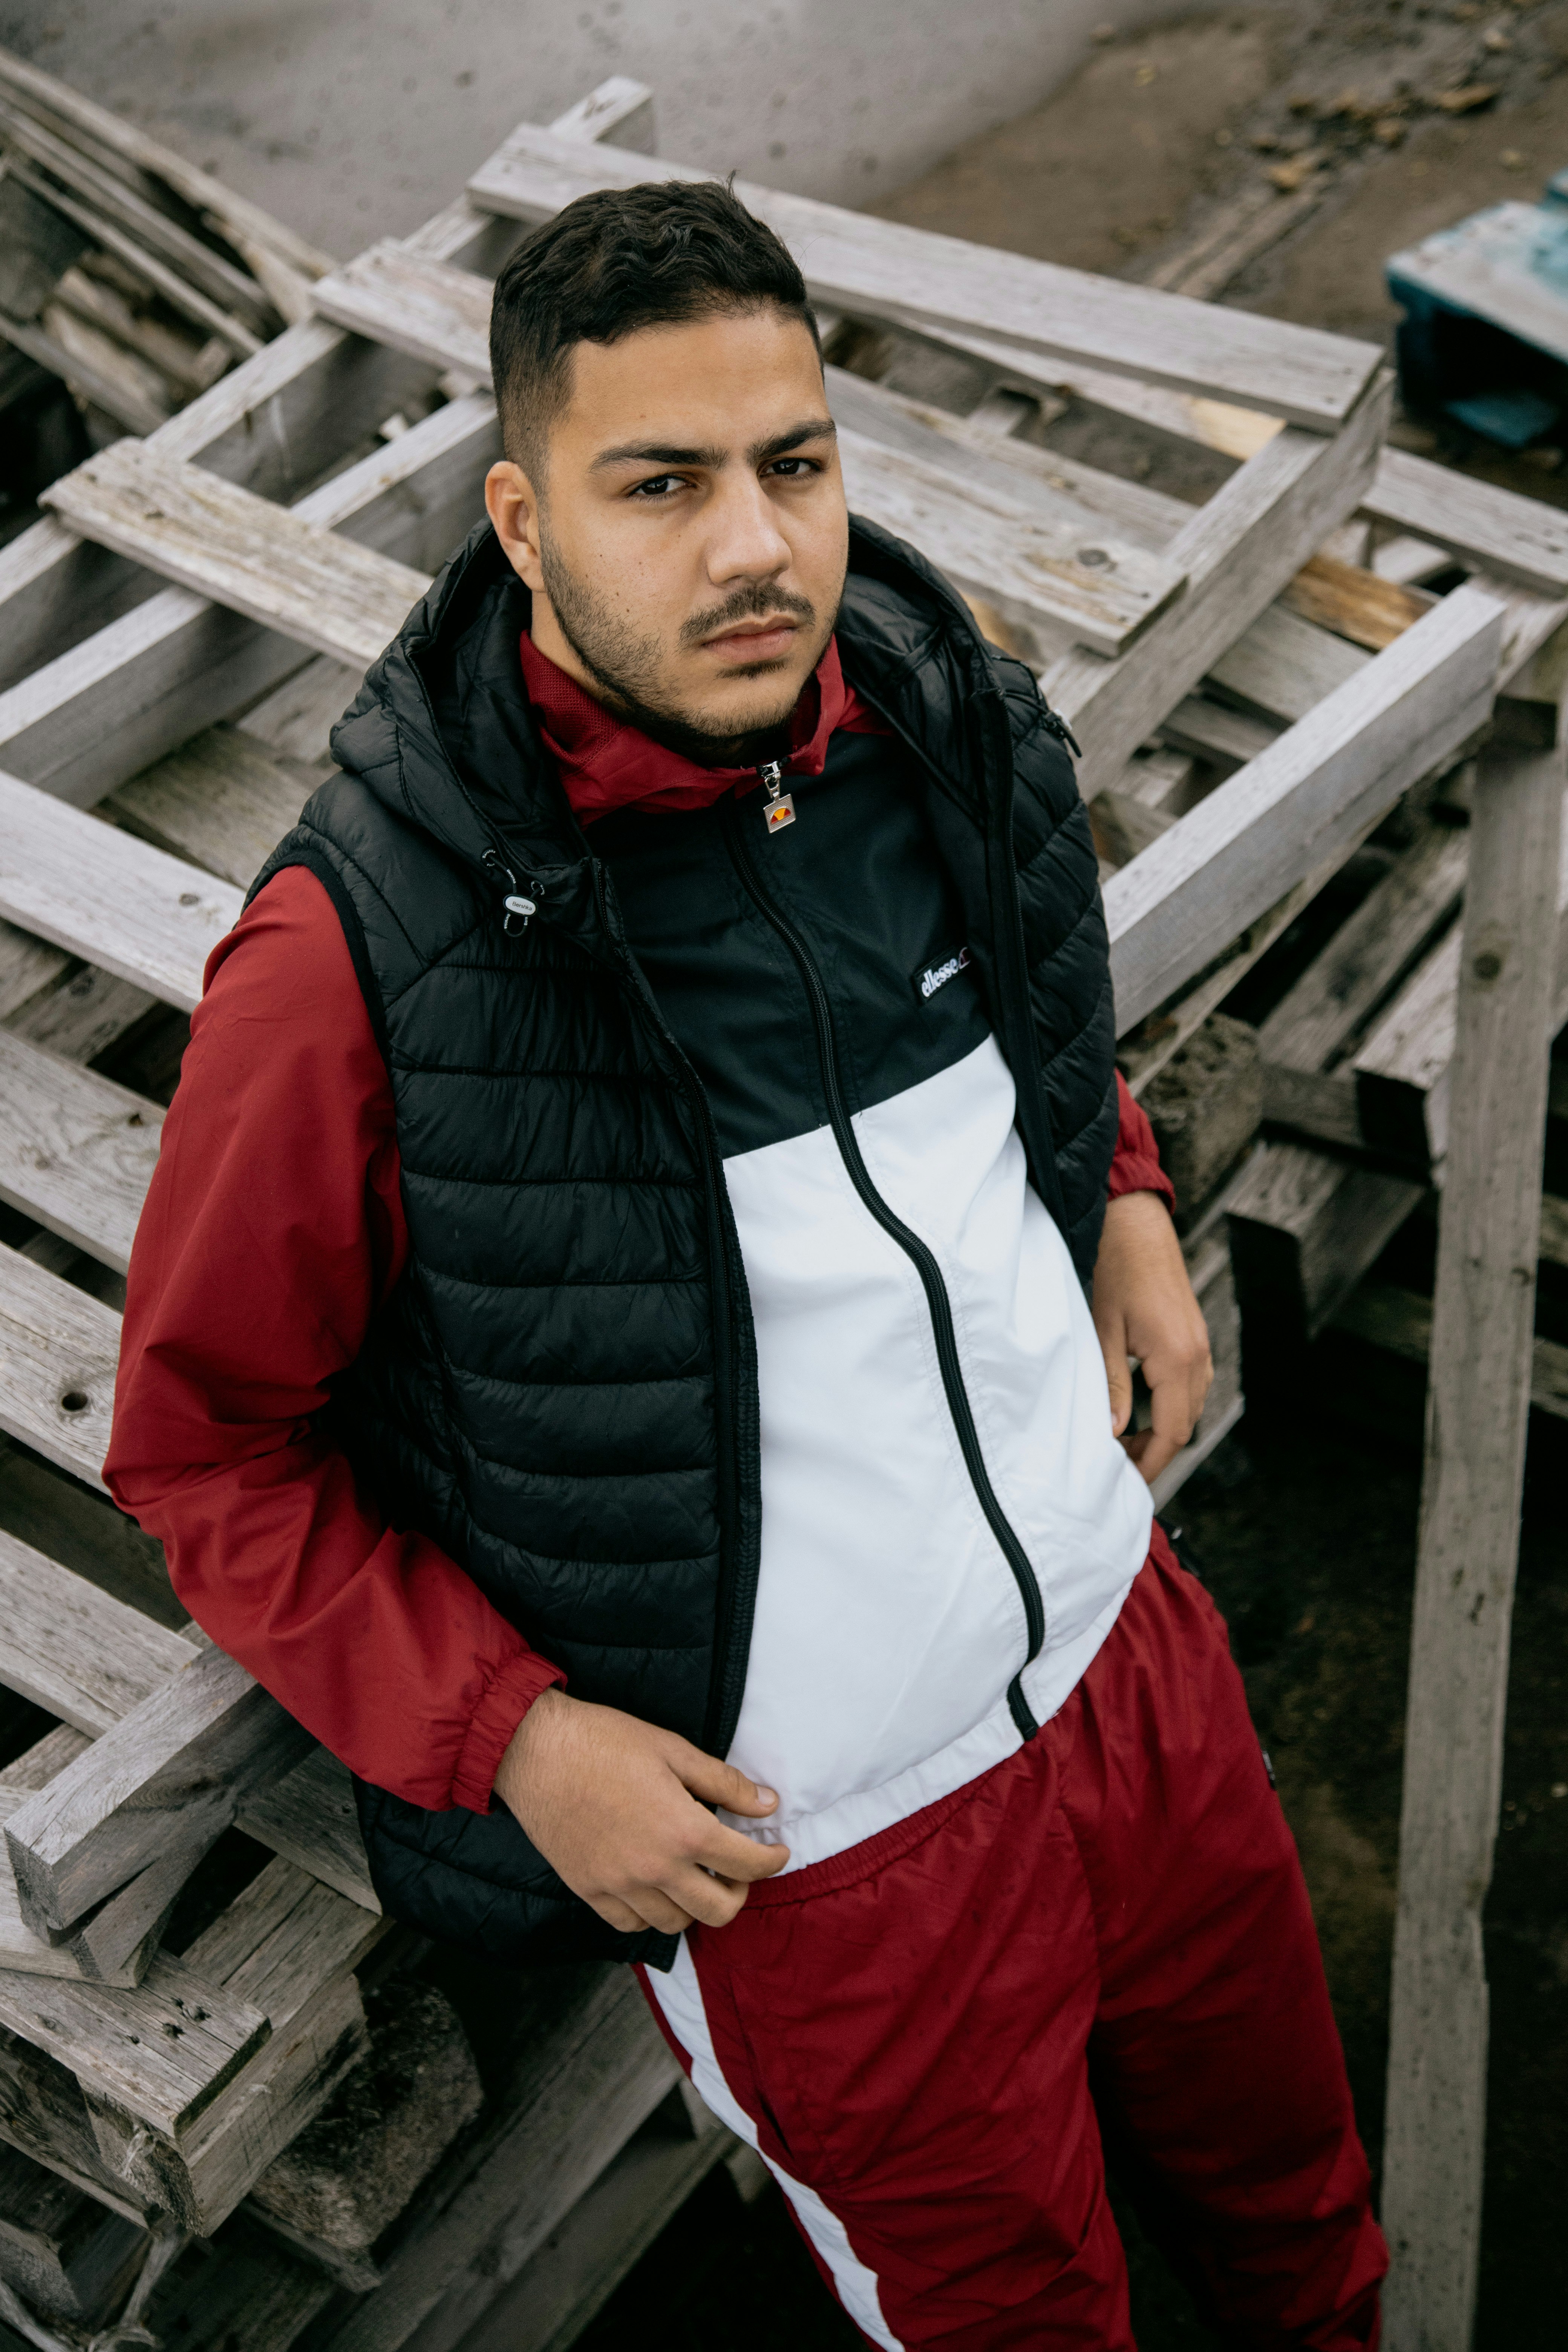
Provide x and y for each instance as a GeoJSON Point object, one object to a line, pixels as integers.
{"type": "Point", "coordinates": [59, 1350]}
{"type": "Point", "coordinates": [1303, 800]}
{"type": "Point", "coordinates": [882, 269]}
{"type": "Point", "coordinates": [1404, 1071]}
{"type": "Point", "coordinates": [1213, 731]}
{"type": "Point", "coordinates": [112, 389]}
{"type": "Point", "coordinates": [76, 1153]}
{"type": "Point", "coordinates": [81, 1012]}
{"type": "Point", "coordinates": [174, 1766]}
{"type": "Point", "coordinates": [242, 551]}
{"type": "Point", "coordinates": [97, 892]}
{"type": "Point", "coordinates": [1238, 552]}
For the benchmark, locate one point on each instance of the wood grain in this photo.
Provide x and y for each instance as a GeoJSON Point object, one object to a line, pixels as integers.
{"type": "Point", "coordinates": [221, 801]}
{"type": "Point", "coordinates": [882, 269]}
{"type": "Point", "coordinates": [74, 1650]}
{"type": "Point", "coordinates": [177, 1762]}
{"type": "Point", "coordinates": [59, 1350]}
{"type": "Point", "coordinates": [240, 551]}
{"type": "Point", "coordinates": [1306, 798]}
{"type": "Point", "coordinates": [1238, 552]}
{"type": "Point", "coordinates": [76, 1153]}
{"type": "Point", "coordinates": [1476, 1413]}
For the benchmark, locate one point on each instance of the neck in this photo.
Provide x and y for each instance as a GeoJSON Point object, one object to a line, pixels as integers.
{"type": "Point", "coordinates": [747, 749]}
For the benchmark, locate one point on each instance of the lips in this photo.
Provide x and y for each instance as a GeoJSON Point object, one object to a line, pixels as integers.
{"type": "Point", "coordinates": [764, 642]}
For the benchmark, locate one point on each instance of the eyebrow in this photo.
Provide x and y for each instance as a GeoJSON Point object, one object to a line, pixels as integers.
{"type": "Point", "coordinates": [660, 453]}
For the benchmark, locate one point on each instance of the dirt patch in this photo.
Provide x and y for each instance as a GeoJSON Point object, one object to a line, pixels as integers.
{"type": "Point", "coordinates": [1108, 165]}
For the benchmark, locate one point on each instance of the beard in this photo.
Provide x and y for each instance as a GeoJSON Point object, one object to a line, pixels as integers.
{"type": "Point", "coordinates": [629, 668]}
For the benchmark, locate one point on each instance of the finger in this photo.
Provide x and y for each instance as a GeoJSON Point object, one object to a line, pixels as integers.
{"type": "Point", "coordinates": [660, 1910]}
{"type": "Point", "coordinates": [1118, 1378]}
{"type": "Point", "coordinates": [1172, 1425]}
{"type": "Point", "coordinates": [616, 1913]}
{"type": "Point", "coordinates": [714, 1901]}
{"type": "Point", "coordinates": [714, 1784]}
{"type": "Point", "coordinates": [741, 1858]}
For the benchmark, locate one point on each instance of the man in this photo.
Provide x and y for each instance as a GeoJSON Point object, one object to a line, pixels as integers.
{"type": "Point", "coordinates": [608, 1346]}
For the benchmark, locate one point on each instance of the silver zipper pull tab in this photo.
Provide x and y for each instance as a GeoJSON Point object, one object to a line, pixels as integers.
{"type": "Point", "coordinates": [516, 909]}
{"type": "Point", "coordinates": [779, 809]}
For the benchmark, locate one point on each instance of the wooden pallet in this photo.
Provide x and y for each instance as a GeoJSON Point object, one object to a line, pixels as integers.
{"type": "Point", "coordinates": [179, 631]}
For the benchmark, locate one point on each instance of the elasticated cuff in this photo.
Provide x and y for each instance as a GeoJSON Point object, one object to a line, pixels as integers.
{"type": "Point", "coordinates": [508, 1696]}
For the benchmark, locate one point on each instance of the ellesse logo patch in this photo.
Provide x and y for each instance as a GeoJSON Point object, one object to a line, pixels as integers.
{"type": "Point", "coordinates": [933, 976]}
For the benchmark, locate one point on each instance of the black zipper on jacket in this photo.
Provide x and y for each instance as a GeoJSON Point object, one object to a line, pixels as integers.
{"type": "Point", "coordinates": [738, 1576]}
{"type": "Point", "coordinates": [920, 1256]}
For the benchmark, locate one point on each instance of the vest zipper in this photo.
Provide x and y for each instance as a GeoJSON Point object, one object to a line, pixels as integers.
{"type": "Point", "coordinates": [739, 1554]}
{"type": "Point", "coordinates": [923, 1258]}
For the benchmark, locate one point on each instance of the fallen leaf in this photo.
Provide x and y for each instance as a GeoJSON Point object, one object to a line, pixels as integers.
{"type": "Point", "coordinates": [1497, 40]}
{"type": "Point", "coordinates": [1466, 101]}
{"type": "Point", "coordinates": [1389, 132]}
{"type": "Point", "coordinates": [1143, 77]}
{"type": "Point", "coordinates": [1295, 172]}
{"type": "Point", "coordinates": [1511, 160]}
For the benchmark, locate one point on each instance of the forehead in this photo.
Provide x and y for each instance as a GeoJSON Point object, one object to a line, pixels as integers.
{"type": "Point", "coordinates": [716, 382]}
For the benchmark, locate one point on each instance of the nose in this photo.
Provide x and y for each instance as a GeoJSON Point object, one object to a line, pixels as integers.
{"type": "Point", "coordinates": [744, 540]}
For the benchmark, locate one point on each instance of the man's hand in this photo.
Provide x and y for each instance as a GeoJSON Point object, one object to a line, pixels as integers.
{"type": "Point", "coordinates": [613, 1806]}
{"type": "Point", "coordinates": [1144, 1306]}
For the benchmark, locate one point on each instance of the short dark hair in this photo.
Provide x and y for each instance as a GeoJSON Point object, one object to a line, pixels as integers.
{"type": "Point", "coordinates": [620, 259]}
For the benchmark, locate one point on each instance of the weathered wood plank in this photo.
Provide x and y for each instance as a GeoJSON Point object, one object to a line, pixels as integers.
{"type": "Point", "coordinates": [162, 2051]}
{"type": "Point", "coordinates": [222, 801]}
{"type": "Point", "coordinates": [1100, 592]}
{"type": "Point", "coordinates": [145, 683]}
{"type": "Point", "coordinates": [58, 2248]}
{"type": "Point", "coordinates": [76, 1153]}
{"type": "Point", "coordinates": [59, 1350]}
{"type": "Point", "coordinates": [1238, 552]}
{"type": "Point", "coordinates": [74, 1650]}
{"type": "Point", "coordinates": [225, 543]}
{"type": "Point", "coordinates": [1478, 1406]}
{"type": "Point", "coordinates": [882, 269]}
{"type": "Point", "coordinates": [99, 893]}
{"type": "Point", "coordinates": [1395, 922]}
{"type": "Point", "coordinates": [1354, 601]}
{"type": "Point", "coordinates": [1304, 1228]}
{"type": "Point", "coordinates": [285, 1945]}
{"type": "Point", "coordinates": [174, 1766]}
{"type": "Point", "coordinates": [1285, 665]}
{"type": "Point", "coordinates": [308, 1816]}
{"type": "Point", "coordinates": [1310, 794]}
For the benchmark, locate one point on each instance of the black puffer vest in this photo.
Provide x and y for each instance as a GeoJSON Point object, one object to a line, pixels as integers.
{"type": "Point", "coordinates": [562, 1389]}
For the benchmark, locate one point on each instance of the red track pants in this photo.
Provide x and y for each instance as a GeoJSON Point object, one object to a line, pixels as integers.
{"type": "Point", "coordinates": [926, 2036]}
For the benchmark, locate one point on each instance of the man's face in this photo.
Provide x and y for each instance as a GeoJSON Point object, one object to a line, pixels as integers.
{"type": "Point", "coordinates": [686, 547]}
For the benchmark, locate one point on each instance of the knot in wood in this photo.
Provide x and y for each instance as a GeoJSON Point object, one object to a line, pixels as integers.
{"type": "Point", "coordinates": [1488, 964]}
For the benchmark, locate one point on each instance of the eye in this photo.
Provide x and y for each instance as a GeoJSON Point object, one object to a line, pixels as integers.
{"type": "Point", "coordinates": [660, 486]}
{"type": "Point", "coordinates": [795, 470]}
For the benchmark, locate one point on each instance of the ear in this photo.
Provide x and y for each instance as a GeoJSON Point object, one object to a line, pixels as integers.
{"type": "Point", "coordinates": [513, 506]}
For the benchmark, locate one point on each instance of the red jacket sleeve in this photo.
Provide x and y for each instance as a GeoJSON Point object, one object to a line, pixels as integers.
{"type": "Point", "coordinates": [1135, 1162]}
{"type": "Point", "coordinates": [273, 1229]}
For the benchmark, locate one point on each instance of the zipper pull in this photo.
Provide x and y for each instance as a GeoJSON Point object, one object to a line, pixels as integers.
{"type": "Point", "coordinates": [1058, 725]}
{"type": "Point", "coordinates": [517, 910]}
{"type": "Point", "coordinates": [780, 808]}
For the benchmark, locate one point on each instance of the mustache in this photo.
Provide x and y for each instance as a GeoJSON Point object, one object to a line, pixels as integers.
{"type": "Point", "coordinates": [752, 602]}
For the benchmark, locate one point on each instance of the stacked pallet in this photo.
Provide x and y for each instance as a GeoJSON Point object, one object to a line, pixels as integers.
{"type": "Point", "coordinates": [130, 281]}
{"type": "Point", "coordinates": [197, 2039]}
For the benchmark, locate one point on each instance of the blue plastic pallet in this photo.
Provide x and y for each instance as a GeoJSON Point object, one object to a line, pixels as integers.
{"type": "Point", "coordinates": [1485, 334]}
